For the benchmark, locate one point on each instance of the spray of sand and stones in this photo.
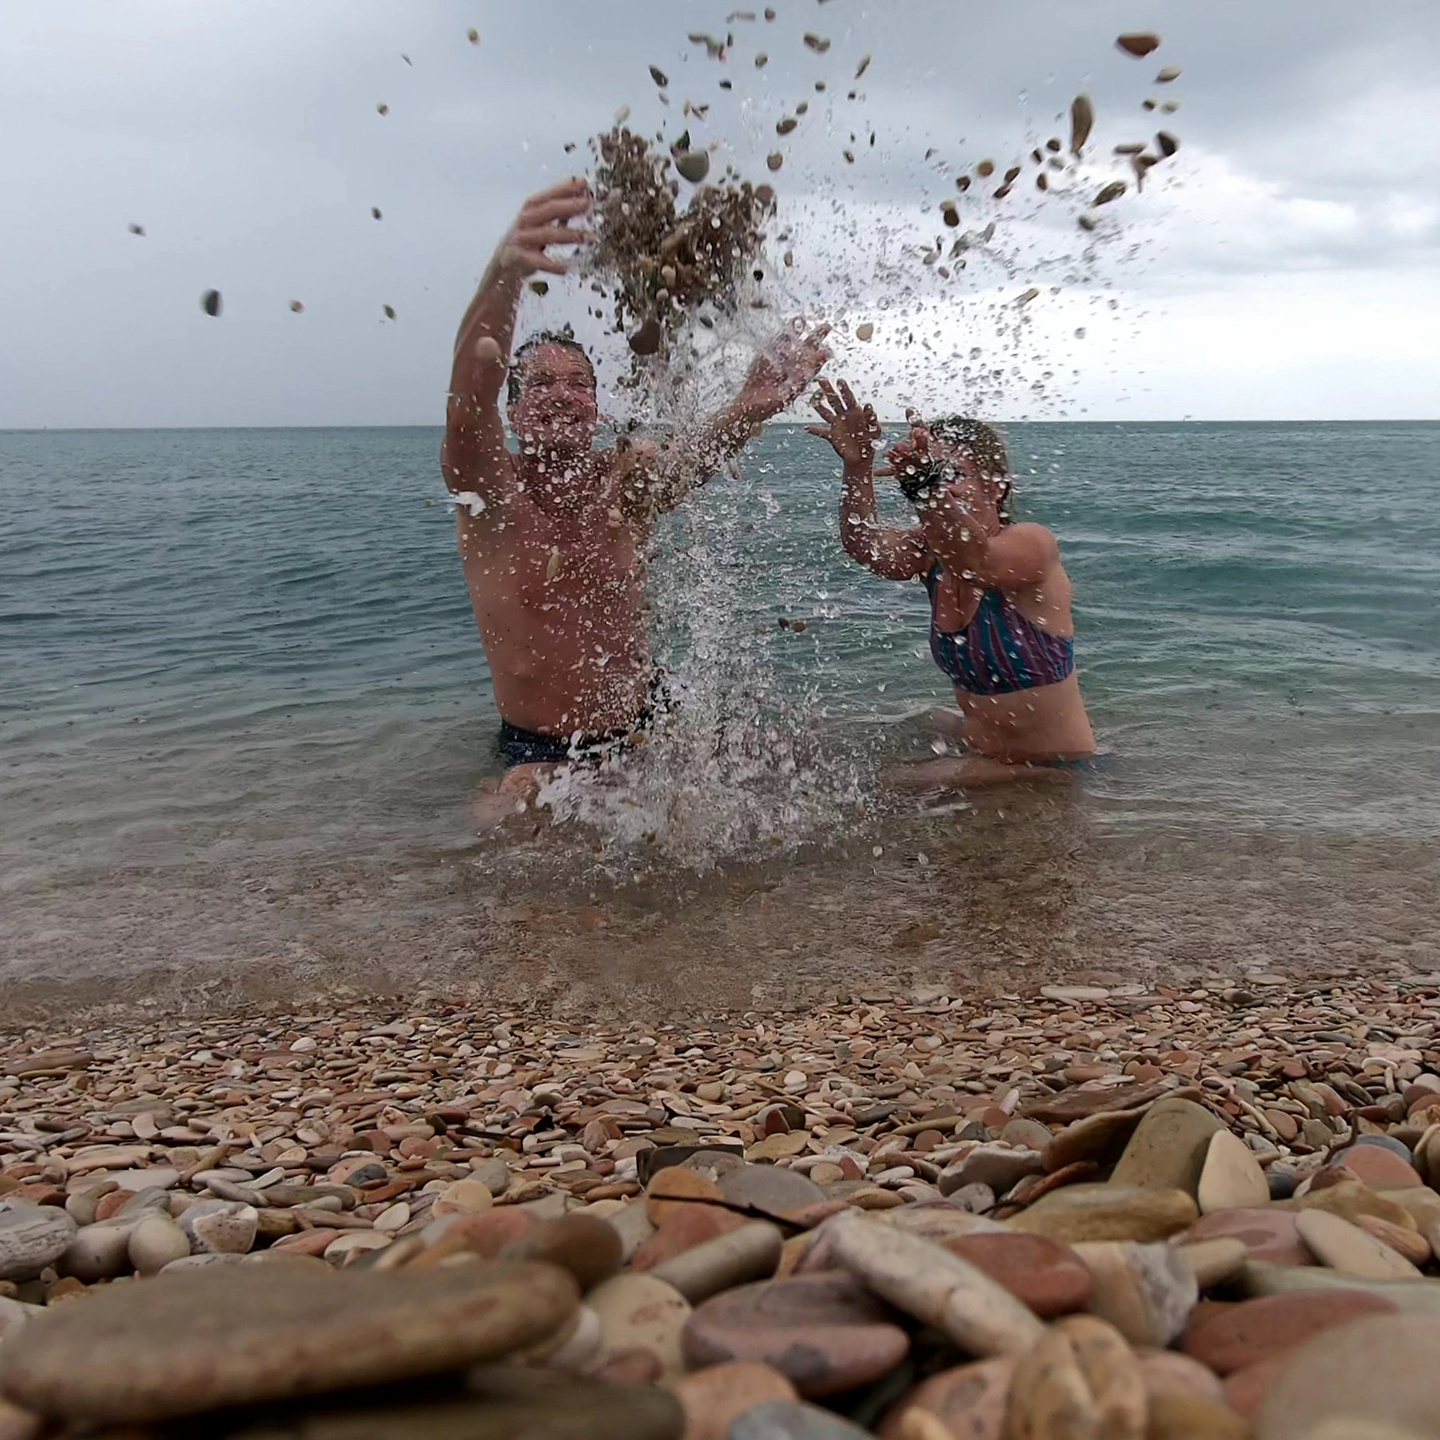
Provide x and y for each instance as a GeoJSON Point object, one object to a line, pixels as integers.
{"type": "Point", "coordinates": [688, 258]}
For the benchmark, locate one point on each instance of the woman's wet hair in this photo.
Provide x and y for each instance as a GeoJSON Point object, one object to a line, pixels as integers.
{"type": "Point", "coordinates": [983, 444]}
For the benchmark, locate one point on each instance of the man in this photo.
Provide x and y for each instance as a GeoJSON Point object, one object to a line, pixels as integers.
{"type": "Point", "coordinates": [553, 537]}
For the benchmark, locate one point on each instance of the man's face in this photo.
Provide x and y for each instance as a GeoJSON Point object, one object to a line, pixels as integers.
{"type": "Point", "coordinates": [556, 409]}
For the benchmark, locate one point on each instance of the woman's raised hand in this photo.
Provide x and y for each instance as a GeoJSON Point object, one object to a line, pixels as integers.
{"type": "Point", "coordinates": [907, 456]}
{"type": "Point", "coordinates": [850, 427]}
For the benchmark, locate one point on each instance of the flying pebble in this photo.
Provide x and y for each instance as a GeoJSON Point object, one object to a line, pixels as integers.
{"type": "Point", "coordinates": [1166, 143]}
{"type": "Point", "coordinates": [818, 43]}
{"type": "Point", "coordinates": [646, 340]}
{"type": "Point", "coordinates": [863, 66]}
{"type": "Point", "coordinates": [1113, 191]}
{"type": "Point", "coordinates": [540, 287]}
{"type": "Point", "coordinates": [775, 161]}
{"type": "Point", "coordinates": [1031, 294]}
{"type": "Point", "coordinates": [297, 306]}
{"type": "Point", "coordinates": [948, 213]}
{"type": "Point", "coordinates": [864, 330]}
{"type": "Point", "coordinates": [985, 168]}
{"type": "Point", "coordinates": [1169, 73]}
{"type": "Point", "coordinates": [694, 165]}
{"type": "Point", "coordinates": [1082, 121]}
{"type": "Point", "coordinates": [785, 126]}
{"type": "Point", "coordinates": [389, 311]}
{"type": "Point", "coordinates": [1139, 43]}
{"type": "Point", "coordinates": [473, 35]}
{"type": "Point", "coordinates": [659, 76]}
{"type": "Point", "coordinates": [135, 229]}
{"type": "Point", "coordinates": [210, 303]}
{"type": "Point", "coordinates": [375, 212]}
{"type": "Point", "coordinates": [761, 60]}
{"type": "Point", "coordinates": [381, 108]}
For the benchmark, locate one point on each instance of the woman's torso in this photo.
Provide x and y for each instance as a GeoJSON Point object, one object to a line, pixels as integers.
{"type": "Point", "coordinates": [1010, 655]}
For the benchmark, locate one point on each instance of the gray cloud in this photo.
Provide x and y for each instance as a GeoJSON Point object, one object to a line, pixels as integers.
{"type": "Point", "coordinates": [245, 139]}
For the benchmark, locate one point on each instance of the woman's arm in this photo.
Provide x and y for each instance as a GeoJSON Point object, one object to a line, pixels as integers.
{"type": "Point", "coordinates": [852, 430]}
{"type": "Point", "coordinates": [964, 530]}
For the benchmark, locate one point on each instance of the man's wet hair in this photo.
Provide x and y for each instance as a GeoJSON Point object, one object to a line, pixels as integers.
{"type": "Point", "coordinates": [515, 384]}
{"type": "Point", "coordinates": [983, 444]}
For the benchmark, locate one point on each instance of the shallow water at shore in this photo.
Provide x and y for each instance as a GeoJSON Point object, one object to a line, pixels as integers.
{"type": "Point", "coordinates": [1019, 890]}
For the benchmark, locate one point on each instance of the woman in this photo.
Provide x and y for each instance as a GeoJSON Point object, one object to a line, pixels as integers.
{"type": "Point", "coordinates": [1000, 625]}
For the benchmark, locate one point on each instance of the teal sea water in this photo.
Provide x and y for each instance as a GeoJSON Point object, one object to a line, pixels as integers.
{"type": "Point", "coordinates": [219, 647]}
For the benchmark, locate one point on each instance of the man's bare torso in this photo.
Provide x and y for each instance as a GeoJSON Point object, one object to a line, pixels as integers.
{"type": "Point", "coordinates": [559, 602]}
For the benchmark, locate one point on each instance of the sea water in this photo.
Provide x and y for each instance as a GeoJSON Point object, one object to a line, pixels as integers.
{"type": "Point", "coordinates": [240, 666]}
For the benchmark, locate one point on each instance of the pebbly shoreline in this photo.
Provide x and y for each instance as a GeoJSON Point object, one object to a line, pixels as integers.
{"type": "Point", "coordinates": [1167, 1213]}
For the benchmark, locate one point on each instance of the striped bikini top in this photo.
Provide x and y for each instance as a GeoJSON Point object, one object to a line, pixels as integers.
{"type": "Point", "coordinates": [999, 651]}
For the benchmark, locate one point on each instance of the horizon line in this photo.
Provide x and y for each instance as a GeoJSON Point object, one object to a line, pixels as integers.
{"type": "Point", "coordinates": [796, 424]}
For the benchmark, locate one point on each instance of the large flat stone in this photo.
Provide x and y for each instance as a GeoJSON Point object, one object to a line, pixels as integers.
{"type": "Point", "coordinates": [232, 1334]}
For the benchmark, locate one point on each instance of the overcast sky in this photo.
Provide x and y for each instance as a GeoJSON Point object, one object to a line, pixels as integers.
{"type": "Point", "coordinates": [1282, 266]}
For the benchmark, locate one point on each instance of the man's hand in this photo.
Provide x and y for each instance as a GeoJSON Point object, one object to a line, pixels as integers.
{"type": "Point", "coordinates": [850, 427]}
{"type": "Point", "coordinates": [782, 371]}
{"type": "Point", "coordinates": [543, 220]}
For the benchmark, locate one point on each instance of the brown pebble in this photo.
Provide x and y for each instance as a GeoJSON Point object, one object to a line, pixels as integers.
{"type": "Point", "coordinates": [1139, 43]}
{"type": "Point", "coordinates": [1082, 121]}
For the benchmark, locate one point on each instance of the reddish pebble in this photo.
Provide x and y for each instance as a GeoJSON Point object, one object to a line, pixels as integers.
{"type": "Point", "coordinates": [107, 1205]}
{"type": "Point", "coordinates": [713, 1398]}
{"type": "Point", "coordinates": [1254, 1330]}
{"type": "Point", "coordinates": [825, 1333]}
{"type": "Point", "coordinates": [1267, 1234]}
{"type": "Point", "coordinates": [306, 1242]}
{"type": "Point", "coordinates": [1245, 1389]}
{"type": "Point", "coordinates": [674, 1189]}
{"type": "Point", "coordinates": [967, 1401]}
{"type": "Point", "coordinates": [1379, 1168]}
{"type": "Point", "coordinates": [1048, 1276]}
{"type": "Point", "coordinates": [485, 1234]}
{"type": "Point", "coordinates": [689, 1225]}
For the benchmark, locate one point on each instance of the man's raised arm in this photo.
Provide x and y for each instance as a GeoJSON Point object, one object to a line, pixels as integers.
{"type": "Point", "coordinates": [781, 372]}
{"type": "Point", "coordinates": [474, 448]}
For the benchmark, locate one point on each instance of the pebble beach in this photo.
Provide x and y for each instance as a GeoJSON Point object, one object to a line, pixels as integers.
{"type": "Point", "coordinates": [1077, 1211]}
